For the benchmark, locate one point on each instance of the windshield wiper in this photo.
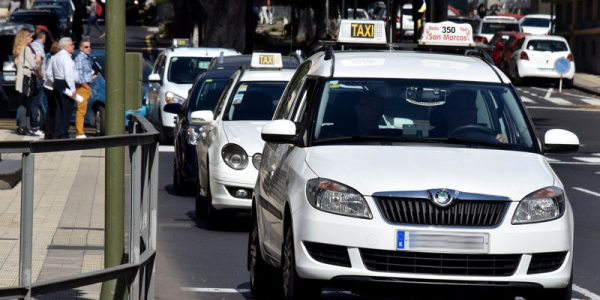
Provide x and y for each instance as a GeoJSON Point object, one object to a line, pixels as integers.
{"type": "Point", "coordinates": [374, 138]}
{"type": "Point", "coordinates": [467, 141]}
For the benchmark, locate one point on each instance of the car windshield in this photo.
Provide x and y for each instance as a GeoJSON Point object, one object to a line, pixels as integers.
{"type": "Point", "coordinates": [183, 70]}
{"type": "Point", "coordinates": [491, 27]}
{"type": "Point", "coordinates": [255, 100]}
{"type": "Point", "coordinates": [547, 45]}
{"type": "Point", "coordinates": [473, 114]}
{"type": "Point", "coordinates": [208, 94]}
{"type": "Point", "coordinates": [536, 22]}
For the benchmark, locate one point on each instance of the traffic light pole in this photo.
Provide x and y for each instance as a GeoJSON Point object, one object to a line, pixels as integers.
{"type": "Point", "coordinates": [114, 244]}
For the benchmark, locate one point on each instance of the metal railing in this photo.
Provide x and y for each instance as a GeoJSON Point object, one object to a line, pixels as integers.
{"type": "Point", "coordinates": [138, 272]}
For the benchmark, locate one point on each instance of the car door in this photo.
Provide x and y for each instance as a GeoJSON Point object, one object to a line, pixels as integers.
{"type": "Point", "coordinates": [154, 95]}
{"type": "Point", "coordinates": [273, 177]}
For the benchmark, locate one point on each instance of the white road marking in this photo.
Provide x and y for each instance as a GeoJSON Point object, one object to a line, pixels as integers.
{"type": "Point", "coordinates": [166, 148]}
{"type": "Point", "coordinates": [565, 108]}
{"type": "Point", "coordinates": [591, 101]}
{"type": "Point", "coordinates": [214, 290]}
{"type": "Point", "coordinates": [596, 154]}
{"type": "Point", "coordinates": [585, 292]}
{"type": "Point", "coordinates": [552, 159]}
{"type": "Point", "coordinates": [574, 163]}
{"type": "Point", "coordinates": [588, 159]}
{"type": "Point", "coordinates": [526, 92]}
{"type": "Point", "coordinates": [534, 94]}
{"type": "Point", "coordinates": [559, 101]}
{"type": "Point", "coordinates": [527, 100]}
{"type": "Point", "coordinates": [587, 192]}
{"type": "Point", "coordinates": [537, 88]}
{"type": "Point", "coordinates": [548, 93]}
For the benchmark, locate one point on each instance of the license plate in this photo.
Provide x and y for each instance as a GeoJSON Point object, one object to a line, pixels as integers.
{"type": "Point", "coordinates": [442, 241]}
{"type": "Point", "coordinates": [546, 69]}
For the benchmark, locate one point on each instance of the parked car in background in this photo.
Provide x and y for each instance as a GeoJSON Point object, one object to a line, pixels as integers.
{"type": "Point", "coordinates": [36, 17]}
{"type": "Point", "coordinates": [8, 31]}
{"type": "Point", "coordinates": [493, 24]}
{"type": "Point", "coordinates": [360, 14]}
{"type": "Point", "coordinates": [537, 24]}
{"type": "Point", "coordinates": [508, 50]}
{"type": "Point", "coordinates": [497, 44]}
{"type": "Point", "coordinates": [65, 24]}
{"type": "Point", "coordinates": [405, 16]}
{"type": "Point", "coordinates": [66, 4]}
{"type": "Point", "coordinates": [535, 57]}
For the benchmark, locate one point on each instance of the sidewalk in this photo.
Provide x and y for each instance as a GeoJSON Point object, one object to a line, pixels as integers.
{"type": "Point", "coordinates": [587, 82]}
{"type": "Point", "coordinates": [68, 227]}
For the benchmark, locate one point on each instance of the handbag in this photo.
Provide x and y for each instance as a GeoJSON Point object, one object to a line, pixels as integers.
{"type": "Point", "coordinates": [30, 86]}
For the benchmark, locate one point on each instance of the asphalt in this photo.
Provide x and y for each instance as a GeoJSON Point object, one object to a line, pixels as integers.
{"type": "Point", "coordinates": [68, 229]}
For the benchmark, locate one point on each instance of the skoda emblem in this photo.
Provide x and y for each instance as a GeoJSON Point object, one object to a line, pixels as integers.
{"type": "Point", "coordinates": [443, 197]}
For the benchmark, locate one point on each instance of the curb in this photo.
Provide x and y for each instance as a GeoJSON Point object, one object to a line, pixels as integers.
{"type": "Point", "coordinates": [586, 89]}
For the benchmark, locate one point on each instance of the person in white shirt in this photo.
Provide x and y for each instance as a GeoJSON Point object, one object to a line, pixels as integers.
{"type": "Point", "coordinates": [64, 77]}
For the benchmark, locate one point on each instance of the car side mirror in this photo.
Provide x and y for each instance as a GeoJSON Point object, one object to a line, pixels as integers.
{"type": "Point", "coordinates": [174, 108]}
{"type": "Point", "coordinates": [202, 117]}
{"type": "Point", "coordinates": [279, 132]}
{"type": "Point", "coordinates": [560, 140]}
{"type": "Point", "coordinates": [154, 77]}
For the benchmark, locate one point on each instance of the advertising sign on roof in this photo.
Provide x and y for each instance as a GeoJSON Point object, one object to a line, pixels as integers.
{"type": "Point", "coordinates": [447, 34]}
{"type": "Point", "coordinates": [362, 32]}
{"type": "Point", "coordinates": [266, 60]}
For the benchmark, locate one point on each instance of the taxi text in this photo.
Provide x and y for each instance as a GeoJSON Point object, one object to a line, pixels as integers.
{"type": "Point", "coordinates": [266, 59]}
{"type": "Point", "coordinates": [360, 30]}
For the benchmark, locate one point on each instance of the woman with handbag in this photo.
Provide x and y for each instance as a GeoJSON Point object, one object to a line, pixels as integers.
{"type": "Point", "coordinates": [26, 82]}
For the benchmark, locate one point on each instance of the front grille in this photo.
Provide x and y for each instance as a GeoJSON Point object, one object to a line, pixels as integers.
{"type": "Point", "coordinates": [329, 254]}
{"type": "Point", "coordinates": [546, 262]}
{"type": "Point", "coordinates": [460, 213]}
{"type": "Point", "coordinates": [440, 263]}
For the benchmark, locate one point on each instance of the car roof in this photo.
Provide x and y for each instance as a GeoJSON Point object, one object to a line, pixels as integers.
{"type": "Point", "coordinates": [538, 16]}
{"type": "Point", "coordinates": [547, 38]}
{"type": "Point", "coordinates": [266, 75]}
{"type": "Point", "coordinates": [237, 61]}
{"type": "Point", "coordinates": [199, 52]}
{"type": "Point", "coordinates": [219, 73]}
{"type": "Point", "coordinates": [405, 65]}
{"type": "Point", "coordinates": [503, 19]}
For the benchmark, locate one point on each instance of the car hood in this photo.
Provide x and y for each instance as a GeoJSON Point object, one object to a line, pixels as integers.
{"type": "Point", "coordinates": [370, 169]}
{"type": "Point", "coordinates": [246, 134]}
{"type": "Point", "coordinates": [535, 30]}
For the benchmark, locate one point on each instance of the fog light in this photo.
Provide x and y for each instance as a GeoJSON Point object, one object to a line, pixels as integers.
{"type": "Point", "coordinates": [241, 193]}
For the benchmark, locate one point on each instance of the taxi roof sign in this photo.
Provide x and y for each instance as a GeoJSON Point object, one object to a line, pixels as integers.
{"type": "Point", "coordinates": [447, 34]}
{"type": "Point", "coordinates": [266, 61]}
{"type": "Point", "coordinates": [181, 43]}
{"type": "Point", "coordinates": [362, 32]}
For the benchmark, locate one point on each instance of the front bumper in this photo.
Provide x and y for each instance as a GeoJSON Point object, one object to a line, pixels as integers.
{"type": "Point", "coordinates": [190, 163]}
{"type": "Point", "coordinates": [530, 69]}
{"type": "Point", "coordinates": [361, 235]}
{"type": "Point", "coordinates": [224, 181]}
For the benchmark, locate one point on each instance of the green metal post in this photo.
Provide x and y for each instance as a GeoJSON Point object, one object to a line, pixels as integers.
{"type": "Point", "coordinates": [133, 81]}
{"type": "Point", "coordinates": [115, 157]}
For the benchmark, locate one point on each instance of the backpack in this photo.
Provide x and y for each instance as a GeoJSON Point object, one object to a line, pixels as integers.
{"type": "Point", "coordinates": [98, 10]}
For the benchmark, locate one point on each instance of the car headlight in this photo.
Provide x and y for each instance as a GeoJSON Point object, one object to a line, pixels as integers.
{"type": "Point", "coordinates": [333, 197]}
{"type": "Point", "coordinates": [256, 159]}
{"type": "Point", "coordinates": [192, 136]}
{"type": "Point", "coordinates": [234, 156]}
{"type": "Point", "coordinates": [540, 206]}
{"type": "Point", "coordinates": [171, 97]}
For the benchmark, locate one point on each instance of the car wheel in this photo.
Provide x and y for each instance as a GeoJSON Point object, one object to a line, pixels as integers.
{"type": "Point", "coordinates": [200, 209]}
{"type": "Point", "coordinates": [214, 217]}
{"type": "Point", "coordinates": [100, 120]}
{"type": "Point", "coordinates": [262, 276]}
{"type": "Point", "coordinates": [177, 180]}
{"type": "Point", "coordinates": [294, 287]}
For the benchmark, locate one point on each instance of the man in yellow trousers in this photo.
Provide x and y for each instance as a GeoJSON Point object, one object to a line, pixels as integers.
{"type": "Point", "coordinates": [83, 64]}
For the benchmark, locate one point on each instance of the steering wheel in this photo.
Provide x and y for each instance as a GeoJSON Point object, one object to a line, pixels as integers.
{"type": "Point", "coordinates": [472, 127]}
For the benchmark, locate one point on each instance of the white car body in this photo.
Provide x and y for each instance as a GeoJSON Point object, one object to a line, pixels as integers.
{"type": "Point", "coordinates": [214, 174]}
{"type": "Point", "coordinates": [533, 24]}
{"type": "Point", "coordinates": [408, 26]}
{"type": "Point", "coordinates": [281, 204]}
{"type": "Point", "coordinates": [497, 24]}
{"type": "Point", "coordinates": [540, 64]}
{"type": "Point", "coordinates": [156, 101]}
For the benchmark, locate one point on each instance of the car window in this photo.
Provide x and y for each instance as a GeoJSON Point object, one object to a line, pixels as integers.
{"type": "Point", "coordinates": [184, 70]}
{"type": "Point", "coordinates": [291, 91]}
{"type": "Point", "coordinates": [207, 95]}
{"type": "Point", "coordinates": [519, 44]}
{"type": "Point", "coordinates": [160, 66]}
{"type": "Point", "coordinates": [492, 27]}
{"type": "Point", "coordinates": [425, 110]}
{"type": "Point", "coordinates": [536, 22]}
{"type": "Point", "coordinates": [223, 98]}
{"type": "Point", "coordinates": [255, 100]}
{"type": "Point", "coordinates": [547, 45]}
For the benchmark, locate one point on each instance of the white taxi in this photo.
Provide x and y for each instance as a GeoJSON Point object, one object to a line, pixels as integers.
{"type": "Point", "coordinates": [173, 75]}
{"type": "Point", "coordinates": [408, 167]}
{"type": "Point", "coordinates": [229, 149]}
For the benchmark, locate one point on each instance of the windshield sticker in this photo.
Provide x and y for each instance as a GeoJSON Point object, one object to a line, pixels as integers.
{"type": "Point", "coordinates": [208, 80]}
{"type": "Point", "coordinates": [425, 96]}
{"type": "Point", "coordinates": [242, 88]}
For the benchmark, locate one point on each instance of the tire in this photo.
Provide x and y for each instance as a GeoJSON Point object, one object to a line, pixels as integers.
{"type": "Point", "coordinates": [100, 120]}
{"type": "Point", "coordinates": [262, 276]}
{"type": "Point", "coordinates": [164, 137]}
{"type": "Point", "coordinates": [294, 287]}
{"type": "Point", "coordinates": [177, 180]}
{"type": "Point", "coordinates": [200, 209]}
{"type": "Point", "coordinates": [213, 216]}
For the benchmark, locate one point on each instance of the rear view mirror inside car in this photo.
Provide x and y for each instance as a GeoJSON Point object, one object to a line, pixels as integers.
{"type": "Point", "coordinates": [426, 96]}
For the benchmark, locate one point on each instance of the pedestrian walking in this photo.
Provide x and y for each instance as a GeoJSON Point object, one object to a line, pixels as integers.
{"type": "Point", "coordinates": [28, 65]}
{"type": "Point", "coordinates": [49, 92]}
{"type": "Point", "coordinates": [36, 114]}
{"type": "Point", "coordinates": [64, 76]}
{"type": "Point", "coordinates": [83, 64]}
{"type": "Point", "coordinates": [94, 11]}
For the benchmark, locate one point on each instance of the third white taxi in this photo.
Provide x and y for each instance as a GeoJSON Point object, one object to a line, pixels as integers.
{"type": "Point", "coordinates": [398, 168]}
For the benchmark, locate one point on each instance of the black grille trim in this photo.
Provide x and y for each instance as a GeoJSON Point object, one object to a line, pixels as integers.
{"type": "Point", "coordinates": [329, 254]}
{"type": "Point", "coordinates": [440, 263]}
{"type": "Point", "coordinates": [546, 262]}
{"type": "Point", "coordinates": [465, 213]}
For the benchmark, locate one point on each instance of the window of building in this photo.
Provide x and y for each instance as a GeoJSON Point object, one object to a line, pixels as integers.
{"type": "Point", "coordinates": [568, 14]}
{"type": "Point", "coordinates": [580, 13]}
{"type": "Point", "coordinates": [582, 52]}
{"type": "Point", "coordinates": [590, 9]}
{"type": "Point", "coordinates": [593, 45]}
